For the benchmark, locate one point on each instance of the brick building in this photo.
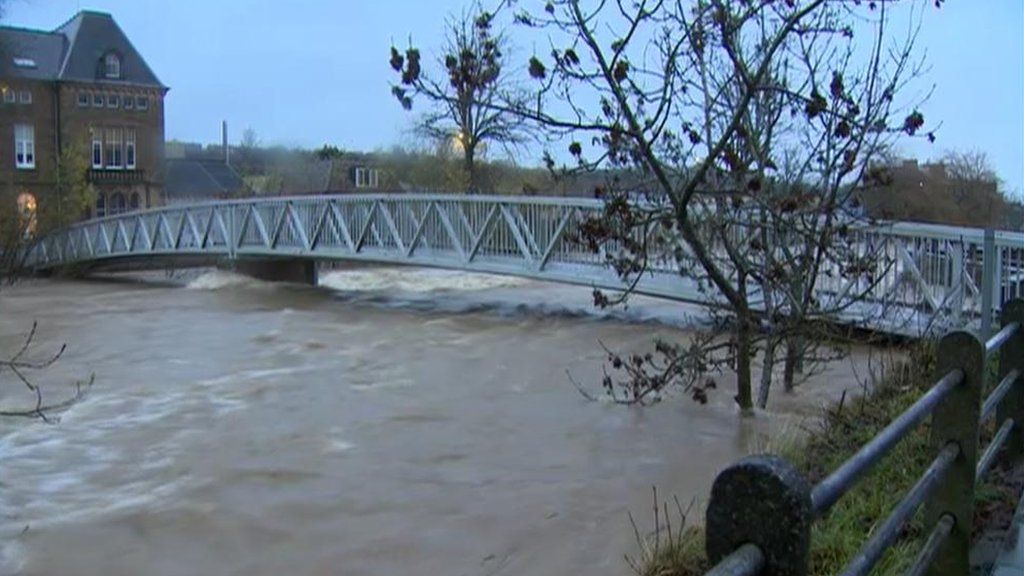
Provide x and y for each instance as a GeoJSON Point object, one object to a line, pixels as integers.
{"type": "Point", "coordinates": [83, 83]}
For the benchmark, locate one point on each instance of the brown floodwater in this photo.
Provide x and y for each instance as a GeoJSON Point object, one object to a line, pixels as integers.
{"type": "Point", "coordinates": [394, 421]}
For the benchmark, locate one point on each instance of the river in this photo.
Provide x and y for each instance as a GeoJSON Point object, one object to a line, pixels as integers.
{"type": "Point", "coordinates": [393, 421]}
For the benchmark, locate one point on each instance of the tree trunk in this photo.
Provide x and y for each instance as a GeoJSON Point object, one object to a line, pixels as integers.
{"type": "Point", "coordinates": [766, 373]}
{"type": "Point", "coordinates": [744, 333]}
{"type": "Point", "coordinates": [793, 363]}
{"type": "Point", "coordinates": [469, 162]}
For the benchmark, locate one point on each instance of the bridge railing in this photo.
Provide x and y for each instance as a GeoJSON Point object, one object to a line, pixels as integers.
{"type": "Point", "coordinates": [761, 511]}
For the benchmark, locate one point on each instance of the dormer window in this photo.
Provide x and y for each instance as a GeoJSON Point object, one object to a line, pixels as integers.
{"type": "Point", "coordinates": [112, 65]}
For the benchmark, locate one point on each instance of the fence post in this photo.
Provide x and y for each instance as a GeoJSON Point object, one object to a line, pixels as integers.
{"type": "Point", "coordinates": [988, 274]}
{"type": "Point", "coordinates": [956, 420]}
{"type": "Point", "coordinates": [764, 501]}
{"type": "Point", "coordinates": [959, 281]}
{"type": "Point", "coordinates": [1012, 356]}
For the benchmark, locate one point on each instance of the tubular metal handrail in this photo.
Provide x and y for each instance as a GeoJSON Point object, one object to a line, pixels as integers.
{"type": "Point", "coordinates": [931, 547]}
{"type": "Point", "coordinates": [747, 560]}
{"type": "Point", "coordinates": [886, 534]}
{"type": "Point", "coordinates": [832, 488]}
{"type": "Point", "coordinates": [989, 456]}
{"type": "Point", "coordinates": [992, 402]}
{"type": "Point", "coordinates": [999, 338]}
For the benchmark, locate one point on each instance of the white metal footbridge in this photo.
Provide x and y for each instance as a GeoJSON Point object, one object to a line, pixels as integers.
{"type": "Point", "coordinates": [934, 277]}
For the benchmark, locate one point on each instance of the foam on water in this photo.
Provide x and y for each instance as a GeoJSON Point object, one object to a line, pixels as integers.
{"type": "Point", "coordinates": [221, 279]}
{"type": "Point", "coordinates": [414, 280]}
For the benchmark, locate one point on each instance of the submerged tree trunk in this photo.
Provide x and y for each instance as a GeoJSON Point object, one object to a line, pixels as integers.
{"type": "Point", "coordinates": [744, 351]}
{"type": "Point", "coordinates": [793, 363]}
{"type": "Point", "coordinates": [767, 364]}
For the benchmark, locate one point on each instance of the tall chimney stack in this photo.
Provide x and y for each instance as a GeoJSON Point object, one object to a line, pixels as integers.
{"type": "Point", "coordinates": [224, 141]}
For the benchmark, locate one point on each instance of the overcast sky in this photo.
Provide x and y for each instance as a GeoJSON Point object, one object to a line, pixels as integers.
{"type": "Point", "coordinates": [309, 72]}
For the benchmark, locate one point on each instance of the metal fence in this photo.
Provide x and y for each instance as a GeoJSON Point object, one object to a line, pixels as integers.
{"type": "Point", "coordinates": [914, 279]}
{"type": "Point", "coordinates": [761, 511]}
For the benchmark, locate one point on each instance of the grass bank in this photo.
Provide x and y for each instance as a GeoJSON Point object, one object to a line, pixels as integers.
{"type": "Point", "coordinates": [676, 548]}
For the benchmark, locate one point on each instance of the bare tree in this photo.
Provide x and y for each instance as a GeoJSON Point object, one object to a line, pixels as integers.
{"type": "Point", "coordinates": [21, 365]}
{"type": "Point", "coordinates": [470, 100]}
{"type": "Point", "coordinates": [747, 126]}
{"type": "Point", "coordinates": [969, 166]}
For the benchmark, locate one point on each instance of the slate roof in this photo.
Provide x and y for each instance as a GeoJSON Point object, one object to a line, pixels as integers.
{"type": "Point", "coordinates": [73, 52]}
{"type": "Point", "coordinates": [200, 180]}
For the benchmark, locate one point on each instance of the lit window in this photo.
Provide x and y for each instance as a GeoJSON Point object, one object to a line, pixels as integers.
{"type": "Point", "coordinates": [83, 99]}
{"type": "Point", "coordinates": [97, 100]}
{"type": "Point", "coordinates": [142, 103]}
{"type": "Point", "coordinates": [25, 97]}
{"type": "Point", "coordinates": [367, 178]}
{"type": "Point", "coordinates": [113, 149]}
{"type": "Point", "coordinates": [24, 146]}
{"type": "Point", "coordinates": [129, 149]}
{"type": "Point", "coordinates": [112, 66]}
{"type": "Point", "coordinates": [113, 101]}
{"type": "Point", "coordinates": [97, 149]}
{"type": "Point", "coordinates": [27, 213]}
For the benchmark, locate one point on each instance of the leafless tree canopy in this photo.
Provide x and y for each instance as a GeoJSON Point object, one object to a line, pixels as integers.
{"type": "Point", "coordinates": [469, 100]}
{"type": "Point", "coordinates": [747, 124]}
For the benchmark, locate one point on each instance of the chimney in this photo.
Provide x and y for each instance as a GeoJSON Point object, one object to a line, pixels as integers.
{"type": "Point", "coordinates": [224, 141]}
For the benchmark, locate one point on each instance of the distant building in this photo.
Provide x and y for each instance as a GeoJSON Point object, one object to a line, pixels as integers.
{"type": "Point", "coordinates": [81, 83]}
{"type": "Point", "coordinates": [197, 174]}
{"type": "Point", "coordinates": [301, 173]}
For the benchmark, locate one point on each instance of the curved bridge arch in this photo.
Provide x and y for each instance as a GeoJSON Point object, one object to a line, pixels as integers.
{"type": "Point", "coordinates": [932, 275]}
{"type": "Point", "coordinates": [528, 237]}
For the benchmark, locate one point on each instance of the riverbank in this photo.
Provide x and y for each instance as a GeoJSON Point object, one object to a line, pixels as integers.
{"type": "Point", "coordinates": [842, 430]}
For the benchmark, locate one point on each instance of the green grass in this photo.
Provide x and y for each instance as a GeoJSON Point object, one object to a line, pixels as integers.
{"type": "Point", "coordinates": [840, 534]}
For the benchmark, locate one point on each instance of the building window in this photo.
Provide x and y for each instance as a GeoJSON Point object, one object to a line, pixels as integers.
{"type": "Point", "coordinates": [134, 203]}
{"type": "Point", "coordinates": [97, 149]}
{"type": "Point", "coordinates": [27, 214]}
{"type": "Point", "coordinates": [112, 66]}
{"type": "Point", "coordinates": [142, 103]}
{"type": "Point", "coordinates": [101, 205]}
{"type": "Point", "coordinates": [113, 150]}
{"type": "Point", "coordinates": [113, 101]}
{"type": "Point", "coordinates": [24, 146]}
{"type": "Point", "coordinates": [129, 102]}
{"type": "Point", "coordinates": [367, 177]}
{"type": "Point", "coordinates": [97, 100]}
{"type": "Point", "coordinates": [84, 99]}
{"type": "Point", "coordinates": [25, 97]}
{"type": "Point", "coordinates": [129, 149]}
{"type": "Point", "coordinates": [9, 96]}
{"type": "Point", "coordinates": [118, 204]}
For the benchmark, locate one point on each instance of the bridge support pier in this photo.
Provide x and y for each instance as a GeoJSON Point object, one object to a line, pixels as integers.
{"type": "Point", "coordinates": [297, 271]}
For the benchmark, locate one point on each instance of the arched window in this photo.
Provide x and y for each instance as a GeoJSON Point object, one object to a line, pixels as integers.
{"type": "Point", "coordinates": [27, 213]}
{"type": "Point", "coordinates": [134, 202]}
{"type": "Point", "coordinates": [118, 204]}
{"type": "Point", "coordinates": [112, 65]}
{"type": "Point", "coordinates": [101, 205]}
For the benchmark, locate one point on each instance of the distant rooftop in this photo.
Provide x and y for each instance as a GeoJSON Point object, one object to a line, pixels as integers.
{"type": "Point", "coordinates": [78, 50]}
